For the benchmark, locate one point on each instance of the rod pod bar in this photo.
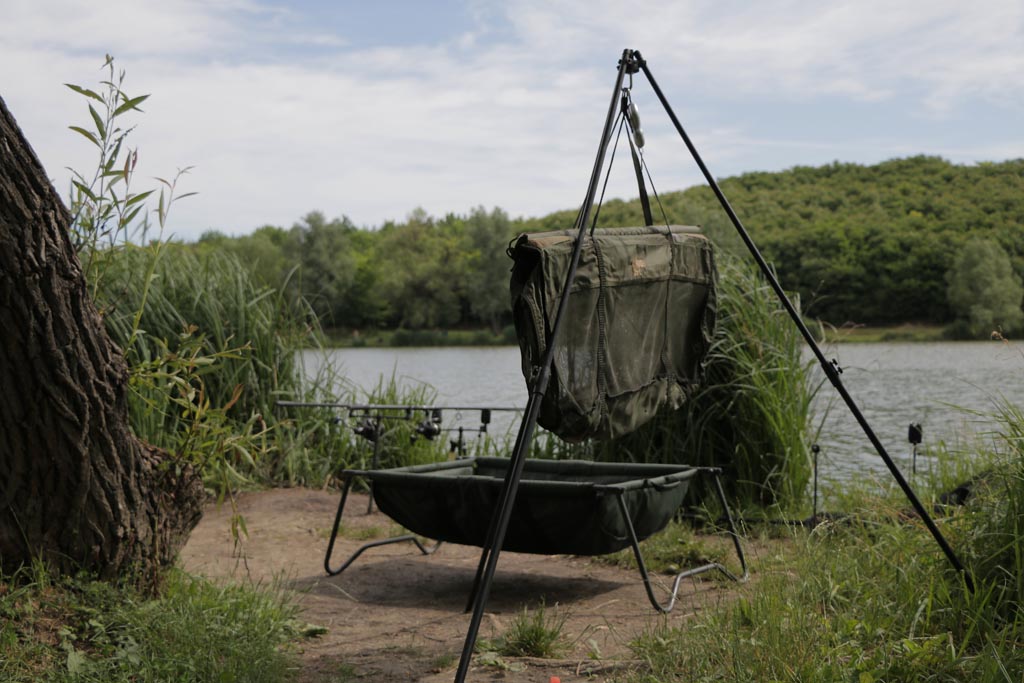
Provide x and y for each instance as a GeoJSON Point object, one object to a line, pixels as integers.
{"type": "Point", "coordinates": [831, 369]}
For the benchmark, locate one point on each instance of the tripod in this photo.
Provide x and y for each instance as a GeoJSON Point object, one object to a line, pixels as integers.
{"type": "Point", "coordinates": [632, 63]}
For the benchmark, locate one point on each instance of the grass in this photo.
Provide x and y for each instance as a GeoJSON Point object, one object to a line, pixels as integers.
{"type": "Point", "coordinates": [74, 629]}
{"type": "Point", "coordinates": [213, 299]}
{"type": "Point", "coordinates": [531, 634]}
{"type": "Point", "coordinates": [860, 603]}
{"type": "Point", "coordinates": [210, 353]}
{"type": "Point", "coordinates": [871, 598]}
{"type": "Point", "coordinates": [676, 548]}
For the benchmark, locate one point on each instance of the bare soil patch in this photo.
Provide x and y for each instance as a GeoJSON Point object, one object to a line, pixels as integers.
{"type": "Point", "coordinates": [397, 616]}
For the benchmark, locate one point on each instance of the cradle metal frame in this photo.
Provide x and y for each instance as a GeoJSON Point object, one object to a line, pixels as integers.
{"type": "Point", "coordinates": [616, 491]}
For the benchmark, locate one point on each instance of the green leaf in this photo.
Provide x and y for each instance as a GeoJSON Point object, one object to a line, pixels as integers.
{"type": "Point", "coordinates": [136, 198]}
{"type": "Point", "coordinates": [77, 662]}
{"type": "Point", "coordinates": [131, 215]}
{"type": "Point", "coordinates": [100, 128]}
{"type": "Point", "coordinates": [88, 136]}
{"type": "Point", "coordinates": [84, 91]}
{"type": "Point", "coordinates": [132, 103]}
{"type": "Point", "coordinates": [116, 152]}
{"type": "Point", "coordinates": [84, 190]}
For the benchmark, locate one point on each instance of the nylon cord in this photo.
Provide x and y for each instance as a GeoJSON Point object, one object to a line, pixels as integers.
{"type": "Point", "coordinates": [607, 175]}
{"type": "Point", "coordinates": [643, 162]}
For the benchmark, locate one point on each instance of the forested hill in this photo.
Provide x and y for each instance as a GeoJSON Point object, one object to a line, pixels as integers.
{"type": "Point", "coordinates": [871, 244]}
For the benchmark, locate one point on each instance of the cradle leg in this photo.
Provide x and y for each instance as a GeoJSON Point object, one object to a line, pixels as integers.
{"type": "Point", "coordinates": [641, 565]}
{"type": "Point", "coordinates": [374, 463]}
{"type": "Point", "coordinates": [366, 546]}
{"type": "Point", "coordinates": [711, 566]}
{"type": "Point", "coordinates": [374, 544]}
{"type": "Point", "coordinates": [337, 525]}
{"type": "Point", "coordinates": [717, 474]}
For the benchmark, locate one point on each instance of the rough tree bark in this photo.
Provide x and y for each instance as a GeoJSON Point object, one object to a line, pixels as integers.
{"type": "Point", "coordinates": [77, 489]}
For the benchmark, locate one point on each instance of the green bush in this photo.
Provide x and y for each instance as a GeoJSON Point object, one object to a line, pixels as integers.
{"type": "Point", "coordinates": [983, 290]}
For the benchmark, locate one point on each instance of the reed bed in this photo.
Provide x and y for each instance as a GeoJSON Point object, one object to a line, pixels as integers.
{"type": "Point", "coordinates": [213, 299]}
{"type": "Point", "coordinates": [211, 353]}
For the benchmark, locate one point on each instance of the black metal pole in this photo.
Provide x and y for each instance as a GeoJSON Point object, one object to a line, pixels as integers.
{"type": "Point", "coordinates": [832, 371]}
{"type": "Point", "coordinates": [529, 423]}
{"type": "Point", "coordinates": [492, 528]}
{"type": "Point", "coordinates": [375, 461]}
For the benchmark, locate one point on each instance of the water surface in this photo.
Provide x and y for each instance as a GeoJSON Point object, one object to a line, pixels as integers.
{"type": "Point", "coordinates": [893, 383]}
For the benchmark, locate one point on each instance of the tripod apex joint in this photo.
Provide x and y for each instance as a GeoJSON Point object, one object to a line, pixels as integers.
{"type": "Point", "coordinates": [634, 62]}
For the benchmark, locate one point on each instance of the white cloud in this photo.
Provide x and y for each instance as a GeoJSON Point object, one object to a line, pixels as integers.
{"type": "Point", "coordinates": [138, 27]}
{"type": "Point", "coordinates": [505, 114]}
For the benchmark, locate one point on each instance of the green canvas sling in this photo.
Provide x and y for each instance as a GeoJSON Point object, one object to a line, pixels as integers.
{"type": "Point", "coordinates": [640, 316]}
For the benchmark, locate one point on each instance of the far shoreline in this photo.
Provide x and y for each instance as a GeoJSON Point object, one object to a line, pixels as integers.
{"type": "Point", "coordinates": [848, 333]}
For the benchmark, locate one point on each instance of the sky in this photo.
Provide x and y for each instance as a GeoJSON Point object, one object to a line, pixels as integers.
{"type": "Point", "coordinates": [372, 109]}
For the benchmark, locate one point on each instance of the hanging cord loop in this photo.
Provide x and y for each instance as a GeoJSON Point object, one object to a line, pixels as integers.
{"type": "Point", "coordinates": [607, 175]}
{"type": "Point", "coordinates": [631, 116]}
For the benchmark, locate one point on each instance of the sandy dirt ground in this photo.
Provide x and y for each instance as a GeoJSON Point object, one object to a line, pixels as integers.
{"type": "Point", "coordinates": [397, 616]}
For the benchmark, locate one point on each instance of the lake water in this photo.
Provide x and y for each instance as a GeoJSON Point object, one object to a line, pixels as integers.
{"type": "Point", "coordinates": [894, 384]}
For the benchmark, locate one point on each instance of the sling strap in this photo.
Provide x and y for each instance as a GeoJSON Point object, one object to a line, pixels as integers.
{"type": "Point", "coordinates": [645, 203]}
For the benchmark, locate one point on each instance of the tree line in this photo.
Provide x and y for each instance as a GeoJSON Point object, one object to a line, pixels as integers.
{"type": "Point", "coordinates": [917, 239]}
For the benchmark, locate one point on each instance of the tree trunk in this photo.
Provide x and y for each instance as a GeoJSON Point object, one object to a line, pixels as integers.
{"type": "Point", "coordinates": [77, 488]}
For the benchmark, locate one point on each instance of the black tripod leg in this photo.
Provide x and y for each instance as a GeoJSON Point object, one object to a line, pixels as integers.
{"type": "Point", "coordinates": [484, 557]}
{"type": "Point", "coordinates": [732, 526]}
{"type": "Point", "coordinates": [831, 371]}
{"type": "Point", "coordinates": [529, 423]}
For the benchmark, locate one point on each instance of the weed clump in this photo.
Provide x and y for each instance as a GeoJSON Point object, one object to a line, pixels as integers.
{"type": "Point", "coordinates": [532, 634]}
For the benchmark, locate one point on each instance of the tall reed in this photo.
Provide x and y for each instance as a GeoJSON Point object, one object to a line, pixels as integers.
{"type": "Point", "coordinates": [214, 298]}
{"type": "Point", "coordinates": [211, 353]}
{"type": "Point", "coordinates": [218, 351]}
{"type": "Point", "coordinates": [315, 444]}
{"type": "Point", "coordinates": [992, 534]}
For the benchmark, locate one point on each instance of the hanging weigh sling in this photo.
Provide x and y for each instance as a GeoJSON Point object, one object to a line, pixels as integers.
{"type": "Point", "coordinates": [637, 327]}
